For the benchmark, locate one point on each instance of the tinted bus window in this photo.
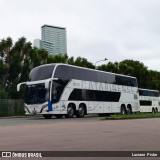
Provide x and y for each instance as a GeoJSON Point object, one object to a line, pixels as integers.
{"type": "Point", "coordinates": [94, 95]}
{"type": "Point", "coordinates": [79, 73]}
{"type": "Point", "coordinates": [157, 94]}
{"type": "Point", "coordinates": [101, 77]}
{"type": "Point", "coordinates": [148, 93]}
{"type": "Point", "coordinates": [110, 78]}
{"type": "Point", "coordinates": [76, 95]}
{"type": "Point", "coordinates": [63, 72]}
{"type": "Point", "coordinates": [41, 73]}
{"type": "Point", "coordinates": [126, 81]}
{"type": "Point", "coordinates": [145, 103]}
{"type": "Point", "coordinates": [140, 92]}
{"type": "Point", "coordinates": [57, 89]}
{"type": "Point", "coordinates": [91, 76]}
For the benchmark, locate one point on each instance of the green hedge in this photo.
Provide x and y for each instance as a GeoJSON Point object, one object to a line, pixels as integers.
{"type": "Point", "coordinates": [10, 107]}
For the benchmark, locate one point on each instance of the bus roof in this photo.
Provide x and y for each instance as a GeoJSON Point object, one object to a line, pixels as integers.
{"type": "Point", "coordinates": [57, 64]}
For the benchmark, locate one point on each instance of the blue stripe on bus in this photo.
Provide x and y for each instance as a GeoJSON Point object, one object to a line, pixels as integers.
{"type": "Point", "coordinates": [49, 105]}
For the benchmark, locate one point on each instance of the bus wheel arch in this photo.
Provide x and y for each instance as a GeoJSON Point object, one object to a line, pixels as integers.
{"type": "Point", "coordinates": [129, 109]}
{"type": "Point", "coordinates": [123, 109]}
{"type": "Point", "coordinates": [71, 108]}
{"type": "Point", "coordinates": [82, 110]}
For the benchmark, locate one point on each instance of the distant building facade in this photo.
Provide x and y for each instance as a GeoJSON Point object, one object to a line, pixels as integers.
{"type": "Point", "coordinates": [53, 39]}
{"type": "Point", "coordinates": [37, 43]}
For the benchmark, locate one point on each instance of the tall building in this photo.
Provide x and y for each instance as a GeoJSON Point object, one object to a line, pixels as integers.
{"type": "Point", "coordinates": [53, 39]}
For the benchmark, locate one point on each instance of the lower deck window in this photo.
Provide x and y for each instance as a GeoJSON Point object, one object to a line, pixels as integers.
{"type": "Point", "coordinates": [145, 103]}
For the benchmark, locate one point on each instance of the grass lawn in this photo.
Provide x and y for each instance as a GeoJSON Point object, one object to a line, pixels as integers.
{"type": "Point", "coordinates": [131, 116]}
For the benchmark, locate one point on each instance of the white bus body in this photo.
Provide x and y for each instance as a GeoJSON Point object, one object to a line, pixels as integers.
{"type": "Point", "coordinates": [61, 89]}
{"type": "Point", "coordinates": [149, 100]}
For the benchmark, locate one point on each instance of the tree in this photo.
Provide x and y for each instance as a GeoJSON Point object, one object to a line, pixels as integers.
{"type": "Point", "coordinates": [136, 69]}
{"type": "Point", "coordinates": [58, 58]}
{"type": "Point", "coordinates": [71, 60]}
{"type": "Point", "coordinates": [109, 67]}
{"type": "Point", "coordinates": [16, 61]}
{"type": "Point", "coordinates": [83, 62]}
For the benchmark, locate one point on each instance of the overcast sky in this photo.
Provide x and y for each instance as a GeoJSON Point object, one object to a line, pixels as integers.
{"type": "Point", "coordinates": [96, 29]}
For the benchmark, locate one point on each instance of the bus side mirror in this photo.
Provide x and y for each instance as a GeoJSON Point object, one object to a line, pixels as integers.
{"type": "Point", "coordinates": [19, 85]}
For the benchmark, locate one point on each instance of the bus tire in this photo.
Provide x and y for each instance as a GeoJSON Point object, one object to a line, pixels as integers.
{"type": "Point", "coordinates": [47, 116]}
{"type": "Point", "coordinates": [58, 116]}
{"type": "Point", "coordinates": [153, 110]}
{"type": "Point", "coordinates": [81, 111]}
{"type": "Point", "coordinates": [70, 111]}
{"type": "Point", "coordinates": [123, 109]}
{"type": "Point", "coordinates": [129, 109]}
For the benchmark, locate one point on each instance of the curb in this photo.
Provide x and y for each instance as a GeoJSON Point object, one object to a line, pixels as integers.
{"type": "Point", "coordinates": [10, 117]}
{"type": "Point", "coordinates": [129, 118]}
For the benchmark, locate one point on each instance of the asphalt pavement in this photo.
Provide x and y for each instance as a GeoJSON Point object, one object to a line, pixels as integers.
{"type": "Point", "coordinates": [79, 134]}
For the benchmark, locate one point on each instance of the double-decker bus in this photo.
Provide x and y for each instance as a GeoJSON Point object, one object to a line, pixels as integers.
{"type": "Point", "coordinates": [62, 89]}
{"type": "Point", "coordinates": [149, 100]}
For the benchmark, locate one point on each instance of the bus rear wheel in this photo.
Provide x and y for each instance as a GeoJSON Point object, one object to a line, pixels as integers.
{"type": "Point", "coordinates": [129, 110]}
{"type": "Point", "coordinates": [153, 110]}
{"type": "Point", "coordinates": [70, 111]}
{"type": "Point", "coordinates": [47, 116]}
{"type": "Point", "coordinates": [81, 112]}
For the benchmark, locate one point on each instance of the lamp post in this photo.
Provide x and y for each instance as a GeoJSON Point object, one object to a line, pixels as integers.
{"type": "Point", "coordinates": [100, 61]}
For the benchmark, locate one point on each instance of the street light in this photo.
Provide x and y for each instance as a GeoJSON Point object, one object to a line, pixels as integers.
{"type": "Point", "coordinates": [100, 61]}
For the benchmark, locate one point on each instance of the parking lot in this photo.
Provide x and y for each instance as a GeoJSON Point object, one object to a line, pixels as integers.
{"type": "Point", "coordinates": [86, 134]}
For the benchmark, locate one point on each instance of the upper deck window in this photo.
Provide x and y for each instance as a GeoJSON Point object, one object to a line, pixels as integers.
{"type": "Point", "coordinates": [64, 73]}
{"type": "Point", "coordinates": [148, 93]}
{"type": "Point", "coordinates": [41, 73]}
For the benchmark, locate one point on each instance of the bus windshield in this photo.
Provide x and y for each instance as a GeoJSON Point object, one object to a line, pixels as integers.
{"type": "Point", "coordinates": [41, 73]}
{"type": "Point", "coordinates": [36, 94]}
